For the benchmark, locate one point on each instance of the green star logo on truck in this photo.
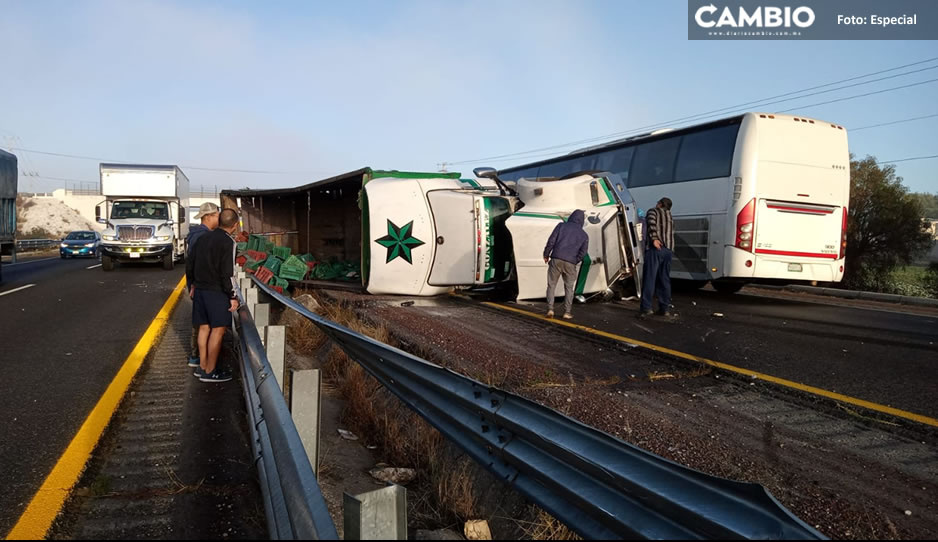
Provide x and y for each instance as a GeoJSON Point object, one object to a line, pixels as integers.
{"type": "Point", "coordinates": [399, 242]}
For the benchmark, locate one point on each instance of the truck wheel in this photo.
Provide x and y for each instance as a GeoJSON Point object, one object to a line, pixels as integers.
{"type": "Point", "coordinates": [169, 262]}
{"type": "Point", "coordinates": [107, 263]}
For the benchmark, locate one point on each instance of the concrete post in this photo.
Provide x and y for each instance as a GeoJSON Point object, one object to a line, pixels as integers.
{"type": "Point", "coordinates": [275, 343]}
{"type": "Point", "coordinates": [376, 515]}
{"type": "Point", "coordinates": [261, 314]}
{"type": "Point", "coordinates": [306, 406]}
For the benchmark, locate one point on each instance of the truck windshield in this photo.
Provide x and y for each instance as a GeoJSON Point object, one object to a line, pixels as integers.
{"type": "Point", "coordinates": [156, 210]}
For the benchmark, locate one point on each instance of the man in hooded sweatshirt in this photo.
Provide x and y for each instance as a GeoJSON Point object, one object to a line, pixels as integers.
{"type": "Point", "coordinates": [208, 214]}
{"type": "Point", "coordinates": [565, 248]}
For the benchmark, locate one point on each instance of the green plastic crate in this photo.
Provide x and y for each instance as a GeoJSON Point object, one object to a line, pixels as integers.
{"type": "Point", "coordinates": [307, 257]}
{"type": "Point", "coordinates": [269, 246]}
{"type": "Point", "coordinates": [253, 264]}
{"type": "Point", "coordinates": [290, 270]}
{"type": "Point", "coordinates": [273, 263]}
{"type": "Point", "coordinates": [255, 241]}
{"type": "Point", "coordinates": [282, 252]}
{"type": "Point", "coordinates": [242, 247]}
{"type": "Point", "coordinates": [278, 281]}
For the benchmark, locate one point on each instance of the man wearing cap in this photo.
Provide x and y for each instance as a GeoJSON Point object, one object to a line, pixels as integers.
{"type": "Point", "coordinates": [208, 214]}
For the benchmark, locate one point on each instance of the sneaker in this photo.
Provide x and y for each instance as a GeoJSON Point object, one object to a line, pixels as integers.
{"type": "Point", "coordinates": [193, 362]}
{"type": "Point", "coordinates": [550, 314]}
{"type": "Point", "coordinates": [198, 373]}
{"type": "Point", "coordinates": [567, 316]}
{"type": "Point", "coordinates": [644, 314]}
{"type": "Point", "coordinates": [667, 315]}
{"type": "Point", "coordinates": [215, 376]}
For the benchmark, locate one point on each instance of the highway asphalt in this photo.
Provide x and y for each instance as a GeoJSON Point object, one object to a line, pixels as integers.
{"type": "Point", "coordinates": [879, 355]}
{"type": "Point", "coordinates": [65, 330]}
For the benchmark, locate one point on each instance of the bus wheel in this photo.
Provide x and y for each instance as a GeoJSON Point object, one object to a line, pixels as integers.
{"type": "Point", "coordinates": [727, 287]}
{"type": "Point", "coordinates": [686, 285]}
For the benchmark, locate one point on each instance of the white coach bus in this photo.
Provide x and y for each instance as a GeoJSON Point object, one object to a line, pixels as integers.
{"type": "Point", "coordinates": [757, 196]}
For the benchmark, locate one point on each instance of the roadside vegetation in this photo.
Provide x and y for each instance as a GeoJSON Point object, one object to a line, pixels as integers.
{"type": "Point", "coordinates": [886, 233]}
{"type": "Point", "coordinates": [450, 488]}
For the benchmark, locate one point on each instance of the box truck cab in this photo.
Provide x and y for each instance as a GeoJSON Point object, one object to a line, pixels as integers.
{"type": "Point", "coordinates": [614, 250]}
{"type": "Point", "coordinates": [424, 233]}
{"type": "Point", "coordinates": [145, 213]}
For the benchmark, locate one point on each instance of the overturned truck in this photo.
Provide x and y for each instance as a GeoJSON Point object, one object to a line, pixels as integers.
{"type": "Point", "coordinates": [427, 233]}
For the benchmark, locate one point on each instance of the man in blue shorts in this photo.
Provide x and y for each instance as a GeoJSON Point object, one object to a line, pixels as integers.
{"type": "Point", "coordinates": [215, 297]}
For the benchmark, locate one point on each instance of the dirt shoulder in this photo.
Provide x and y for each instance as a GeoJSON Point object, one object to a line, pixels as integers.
{"type": "Point", "coordinates": [849, 476]}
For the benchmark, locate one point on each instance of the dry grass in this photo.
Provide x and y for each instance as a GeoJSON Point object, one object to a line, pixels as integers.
{"type": "Point", "coordinates": [544, 527]}
{"type": "Point", "coordinates": [403, 438]}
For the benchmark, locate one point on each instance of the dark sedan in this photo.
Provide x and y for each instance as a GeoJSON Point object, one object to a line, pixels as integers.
{"type": "Point", "coordinates": [80, 243]}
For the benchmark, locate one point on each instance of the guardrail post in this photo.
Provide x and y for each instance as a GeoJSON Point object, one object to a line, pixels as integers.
{"type": "Point", "coordinates": [376, 515]}
{"type": "Point", "coordinates": [250, 298]}
{"type": "Point", "coordinates": [261, 313]}
{"type": "Point", "coordinates": [275, 341]}
{"type": "Point", "coordinates": [305, 406]}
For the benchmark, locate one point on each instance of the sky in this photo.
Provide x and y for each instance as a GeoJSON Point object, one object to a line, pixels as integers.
{"type": "Point", "coordinates": [311, 89]}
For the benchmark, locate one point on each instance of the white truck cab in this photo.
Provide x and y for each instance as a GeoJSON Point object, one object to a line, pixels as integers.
{"type": "Point", "coordinates": [614, 246]}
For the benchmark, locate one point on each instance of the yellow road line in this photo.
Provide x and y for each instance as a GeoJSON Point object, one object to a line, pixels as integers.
{"type": "Point", "coordinates": [48, 501]}
{"type": "Point", "coordinates": [732, 368]}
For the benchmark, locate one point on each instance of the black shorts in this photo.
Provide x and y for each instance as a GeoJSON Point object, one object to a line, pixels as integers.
{"type": "Point", "coordinates": [210, 307]}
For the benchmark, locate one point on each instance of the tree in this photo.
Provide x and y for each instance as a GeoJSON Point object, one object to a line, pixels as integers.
{"type": "Point", "coordinates": [929, 204]}
{"type": "Point", "coordinates": [885, 227]}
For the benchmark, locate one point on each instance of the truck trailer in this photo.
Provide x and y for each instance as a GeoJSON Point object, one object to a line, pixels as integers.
{"type": "Point", "coordinates": [8, 179]}
{"type": "Point", "coordinates": [146, 214]}
{"type": "Point", "coordinates": [427, 233]}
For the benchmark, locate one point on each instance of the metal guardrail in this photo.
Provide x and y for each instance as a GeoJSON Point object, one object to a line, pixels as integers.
{"type": "Point", "coordinates": [34, 244]}
{"type": "Point", "coordinates": [293, 502]}
{"type": "Point", "coordinates": [597, 485]}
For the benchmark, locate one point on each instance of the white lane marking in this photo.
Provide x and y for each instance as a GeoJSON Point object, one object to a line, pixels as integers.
{"type": "Point", "coordinates": [93, 266]}
{"type": "Point", "coordinates": [16, 289]}
{"type": "Point", "coordinates": [31, 261]}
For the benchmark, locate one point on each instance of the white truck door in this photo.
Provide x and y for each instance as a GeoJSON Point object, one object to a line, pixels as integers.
{"type": "Point", "coordinates": [456, 243]}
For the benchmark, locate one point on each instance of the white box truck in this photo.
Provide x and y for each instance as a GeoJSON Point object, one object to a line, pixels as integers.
{"type": "Point", "coordinates": [146, 214]}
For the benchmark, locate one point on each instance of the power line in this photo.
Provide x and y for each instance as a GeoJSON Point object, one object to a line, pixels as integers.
{"type": "Point", "coordinates": [710, 113]}
{"type": "Point", "coordinates": [843, 99]}
{"type": "Point", "coordinates": [200, 168]}
{"type": "Point", "coordinates": [851, 130]}
{"type": "Point", "coordinates": [907, 159]}
{"type": "Point", "coordinates": [859, 95]}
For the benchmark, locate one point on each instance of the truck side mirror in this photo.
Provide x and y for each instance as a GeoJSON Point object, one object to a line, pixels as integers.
{"type": "Point", "coordinates": [485, 172]}
{"type": "Point", "coordinates": [97, 212]}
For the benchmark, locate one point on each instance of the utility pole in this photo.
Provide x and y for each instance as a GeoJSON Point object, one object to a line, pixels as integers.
{"type": "Point", "coordinates": [442, 166]}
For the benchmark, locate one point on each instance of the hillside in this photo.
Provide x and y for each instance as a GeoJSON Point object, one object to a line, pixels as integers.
{"type": "Point", "coordinates": [46, 218]}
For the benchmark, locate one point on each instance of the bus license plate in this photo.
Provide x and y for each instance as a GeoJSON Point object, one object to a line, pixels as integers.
{"type": "Point", "coordinates": [794, 267]}
{"type": "Point", "coordinates": [137, 255]}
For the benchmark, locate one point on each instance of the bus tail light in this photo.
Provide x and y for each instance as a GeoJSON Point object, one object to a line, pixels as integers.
{"type": "Point", "coordinates": [745, 226]}
{"type": "Point", "coordinates": [843, 236]}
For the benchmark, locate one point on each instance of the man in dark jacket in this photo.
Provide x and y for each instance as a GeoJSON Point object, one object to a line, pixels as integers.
{"type": "Point", "coordinates": [215, 297]}
{"type": "Point", "coordinates": [656, 272]}
{"type": "Point", "coordinates": [208, 214]}
{"type": "Point", "coordinates": [566, 247]}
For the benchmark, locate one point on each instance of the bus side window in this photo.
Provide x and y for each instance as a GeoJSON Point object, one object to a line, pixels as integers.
{"type": "Point", "coordinates": [654, 162]}
{"type": "Point", "coordinates": [707, 154]}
